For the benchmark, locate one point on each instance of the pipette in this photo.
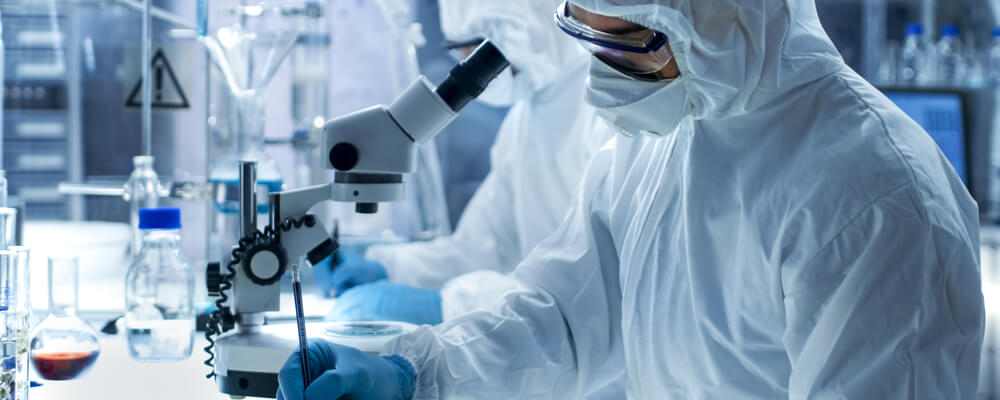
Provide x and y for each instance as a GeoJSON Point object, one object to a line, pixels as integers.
{"type": "Point", "coordinates": [300, 320]}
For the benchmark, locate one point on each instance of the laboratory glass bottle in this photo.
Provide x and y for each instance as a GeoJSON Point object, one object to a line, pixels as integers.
{"type": "Point", "coordinates": [993, 59]}
{"type": "Point", "coordinates": [142, 190]}
{"type": "Point", "coordinates": [975, 65]}
{"type": "Point", "coordinates": [159, 291]}
{"type": "Point", "coordinates": [63, 346]}
{"type": "Point", "coordinates": [912, 67]}
{"type": "Point", "coordinates": [950, 56]}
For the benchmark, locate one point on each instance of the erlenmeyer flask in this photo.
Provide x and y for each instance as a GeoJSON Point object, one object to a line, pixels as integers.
{"type": "Point", "coordinates": [63, 346]}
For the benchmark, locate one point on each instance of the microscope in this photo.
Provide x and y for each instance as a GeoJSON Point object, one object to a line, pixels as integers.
{"type": "Point", "coordinates": [369, 151]}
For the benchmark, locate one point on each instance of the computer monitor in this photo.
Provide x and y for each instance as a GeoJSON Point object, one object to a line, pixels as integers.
{"type": "Point", "coordinates": [940, 113]}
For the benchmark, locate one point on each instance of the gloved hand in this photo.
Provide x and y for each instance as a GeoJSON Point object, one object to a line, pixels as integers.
{"type": "Point", "coordinates": [352, 270]}
{"type": "Point", "coordinates": [387, 301]}
{"type": "Point", "coordinates": [345, 372]}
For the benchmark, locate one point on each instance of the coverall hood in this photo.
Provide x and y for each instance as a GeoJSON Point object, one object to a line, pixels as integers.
{"type": "Point", "coordinates": [734, 56]}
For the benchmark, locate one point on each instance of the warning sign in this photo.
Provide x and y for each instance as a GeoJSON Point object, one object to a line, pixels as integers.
{"type": "Point", "coordinates": [167, 92]}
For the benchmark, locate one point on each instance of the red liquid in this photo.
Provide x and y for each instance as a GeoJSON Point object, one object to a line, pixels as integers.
{"type": "Point", "coordinates": [63, 366]}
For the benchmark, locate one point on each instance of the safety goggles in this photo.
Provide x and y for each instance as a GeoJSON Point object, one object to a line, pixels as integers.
{"type": "Point", "coordinates": [643, 51]}
{"type": "Point", "coordinates": [457, 49]}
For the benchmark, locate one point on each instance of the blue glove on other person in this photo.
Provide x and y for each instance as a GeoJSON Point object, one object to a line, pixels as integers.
{"type": "Point", "coordinates": [387, 301]}
{"type": "Point", "coordinates": [345, 372]}
{"type": "Point", "coordinates": [352, 269]}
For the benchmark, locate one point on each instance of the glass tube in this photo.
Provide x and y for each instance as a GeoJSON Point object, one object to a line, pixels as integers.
{"type": "Point", "coordinates": [8, 327]}
{"type": "Point", "coordinates": [8, 230]}
{"type": "Point", "coordinates": [22, 300]}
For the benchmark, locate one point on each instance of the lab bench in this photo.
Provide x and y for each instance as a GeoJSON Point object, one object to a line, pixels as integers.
{"type": "Point", "coordinates": [115, 375]}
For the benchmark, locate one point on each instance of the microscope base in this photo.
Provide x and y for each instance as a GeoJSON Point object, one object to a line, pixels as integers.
{"type": "Point", "coordinates": [248, 359]}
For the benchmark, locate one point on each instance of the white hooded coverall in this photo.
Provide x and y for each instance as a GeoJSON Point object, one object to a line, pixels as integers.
{"type": "Point", "coordinates": [794, 236]}
{"type": "Point", "coordinates": [538, 159]}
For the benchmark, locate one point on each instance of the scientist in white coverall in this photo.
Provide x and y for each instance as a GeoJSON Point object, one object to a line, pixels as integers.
{"type": "Point", "coordinates": [780, 230]}
{"type": "Point", "coordinates": [541, 151]}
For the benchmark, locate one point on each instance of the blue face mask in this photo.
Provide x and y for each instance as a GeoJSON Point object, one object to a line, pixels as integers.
{"type": "Point", "coordinates": [635, 105]}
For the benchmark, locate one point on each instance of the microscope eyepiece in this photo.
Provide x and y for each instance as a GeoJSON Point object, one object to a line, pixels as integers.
{"type": "Point", "coordinates": [471, 76]}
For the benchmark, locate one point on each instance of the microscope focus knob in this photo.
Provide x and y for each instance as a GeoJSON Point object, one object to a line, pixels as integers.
{"type": "Point", "coordinates": [344, 156]}
{"type": "Point", "coordinates": [213, 278]}
{"type": "Point", "coordinates": [265, 263]}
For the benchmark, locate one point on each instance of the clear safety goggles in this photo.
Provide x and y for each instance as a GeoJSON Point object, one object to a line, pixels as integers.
{"type": "Point", "coordinates": [644, 51]}
{"type": "Point", "coordinates": [458, 49]}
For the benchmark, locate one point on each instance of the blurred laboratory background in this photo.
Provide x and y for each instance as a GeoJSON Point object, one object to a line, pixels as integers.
{"type": "Point", "coordinates": [82, 151]}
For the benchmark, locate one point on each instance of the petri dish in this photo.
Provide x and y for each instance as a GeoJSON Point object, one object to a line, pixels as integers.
{"type": "Point", "coordinates": [363, 329]}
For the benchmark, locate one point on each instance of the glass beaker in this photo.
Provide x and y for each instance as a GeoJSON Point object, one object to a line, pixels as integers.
{"type": "Point", "coordinates": [63, 346]}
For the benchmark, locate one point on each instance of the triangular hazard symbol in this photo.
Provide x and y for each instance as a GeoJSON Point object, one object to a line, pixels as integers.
{"type": "Point", "coordinates": [167, 92]}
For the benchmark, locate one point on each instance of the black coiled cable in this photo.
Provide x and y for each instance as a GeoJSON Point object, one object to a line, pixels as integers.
{"type": "Point", "coordinates": [214, 324]}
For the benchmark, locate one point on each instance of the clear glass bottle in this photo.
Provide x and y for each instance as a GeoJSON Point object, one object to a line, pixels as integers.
{"type": "Point", "coordinates": [63, 346]}
{"type": "Point", "coordinates": [993, 59]}
{"type": "Point", "coordinates": [975, 65]}
{"type": "Point", "coordinates": [143, 190]}
{"type": "Point", "coordinates": [159, 291]}
{"type": "Point", "coordinates": [912, 68]}
{"type": "Point", "coordinates": [951, 58]}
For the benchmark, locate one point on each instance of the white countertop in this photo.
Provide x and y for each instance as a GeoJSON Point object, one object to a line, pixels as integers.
{"type": "Point", "coordinates": [115, 375]}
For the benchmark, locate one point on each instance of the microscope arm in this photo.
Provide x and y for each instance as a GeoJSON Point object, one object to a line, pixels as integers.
{"type": "Point", "coordinates": [298, 232]}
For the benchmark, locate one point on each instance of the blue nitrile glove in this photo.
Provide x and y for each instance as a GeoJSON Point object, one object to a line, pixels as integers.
{"type": "Point", "coordinates": [345, 372]}
{"type": "Point", "coordinates": [352, 270]}
{"type": "Point", "coordinates": [387, 301]}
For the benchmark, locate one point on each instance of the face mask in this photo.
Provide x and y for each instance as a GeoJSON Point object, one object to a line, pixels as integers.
{"type": "Point", "coordinates": [633, 105]}
{"type": "Point", "coordinates": [504, 91]}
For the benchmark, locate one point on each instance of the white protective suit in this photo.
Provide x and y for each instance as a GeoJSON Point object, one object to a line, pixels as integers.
{"type": "Point", "coordinates": [538, 159]}
{"type": "Point", "coordinates": [796, 236]}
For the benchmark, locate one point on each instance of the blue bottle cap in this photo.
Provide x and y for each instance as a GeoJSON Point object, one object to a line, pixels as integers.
{"type": "Point", "coordinates": [914, 29]}
{"type": "Point", "coordinates": [996, 31]}
{"type": "Point", "coordinates": [159, 218]}
{"type": "Point", "coordinates": [949, 30]}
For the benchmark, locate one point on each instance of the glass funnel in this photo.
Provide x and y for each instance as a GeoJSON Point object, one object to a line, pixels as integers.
{"type": "Point", "coordinates": [247, 46]}
{"type": "Point", "coordinates": [63, 346]}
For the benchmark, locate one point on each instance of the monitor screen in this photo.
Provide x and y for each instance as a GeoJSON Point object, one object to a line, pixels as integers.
{"type": "Point", "coordinates": [940, 114]}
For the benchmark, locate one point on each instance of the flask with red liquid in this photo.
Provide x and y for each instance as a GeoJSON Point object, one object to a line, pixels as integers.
{"type": "Point", "coordinates": [63, 346]}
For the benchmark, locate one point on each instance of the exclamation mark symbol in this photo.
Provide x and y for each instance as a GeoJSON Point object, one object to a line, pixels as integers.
{"type": "Point", "coordinates": [159, 84]}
